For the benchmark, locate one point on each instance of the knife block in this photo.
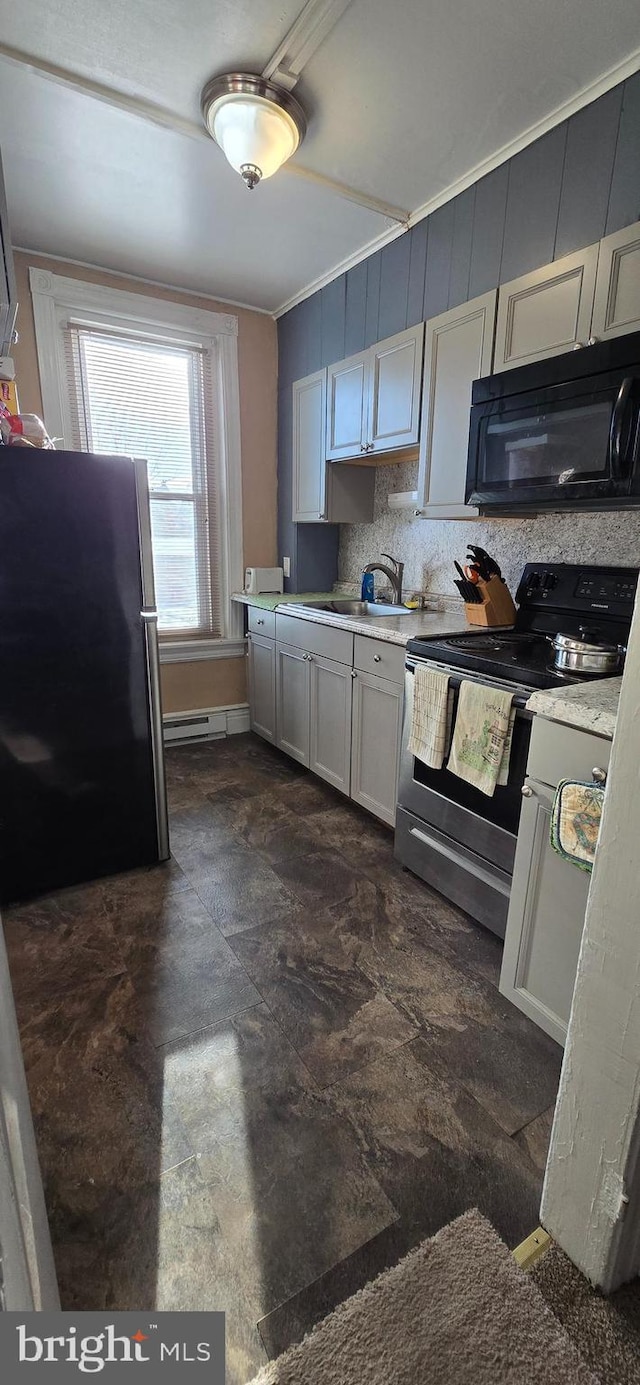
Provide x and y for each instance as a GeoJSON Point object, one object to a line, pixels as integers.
{"type": "Point", "coordinates": [497, 606]}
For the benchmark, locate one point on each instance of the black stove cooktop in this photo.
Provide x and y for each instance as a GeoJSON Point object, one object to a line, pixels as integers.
{"type": "Point", "coordinates": [560, 597]}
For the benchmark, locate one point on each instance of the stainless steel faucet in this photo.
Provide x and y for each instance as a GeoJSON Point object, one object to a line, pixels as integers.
{"type": "Point", "coordinates": [395, 575]}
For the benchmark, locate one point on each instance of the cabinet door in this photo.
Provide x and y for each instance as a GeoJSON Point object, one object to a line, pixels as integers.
{"type": "Point", "coordinates": [292, 702]}
{"type": "Point", "coordinates": [262, 686]}
{"type": "Point", "coordinates": [546, 918]}
{"type": "Point", "coordinates": [347, 394]}
{"type": "Point", "coordinates": [394, 401]}
{"type": "Point", "coordinates": [309, 464]}
{"type": "Point", "coordinates": [546, 312]}
{"type": "Point", "coordinates": [458, 350]}
{"type": "Point", "coordinates": [376, 732]}
{"type": "Point", "coordinates": [617, 303]}
{"type": "Point", "coordinates": [330, 733]}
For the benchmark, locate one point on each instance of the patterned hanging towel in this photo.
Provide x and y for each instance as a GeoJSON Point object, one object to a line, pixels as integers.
{"type": "Point", "coordinates": [432, 709]}
{"type": "Point", "coordinates": [482, 737]}
{"type": "Point", "coordinates": [575, 821]}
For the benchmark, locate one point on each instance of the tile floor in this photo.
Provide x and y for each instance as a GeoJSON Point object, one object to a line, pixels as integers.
{"type": "Point", "coordinates": [262, 1072]}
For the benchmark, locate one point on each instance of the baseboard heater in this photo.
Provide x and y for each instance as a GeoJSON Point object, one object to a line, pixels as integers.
{"type": "Point", "coordinates": [205, 726]}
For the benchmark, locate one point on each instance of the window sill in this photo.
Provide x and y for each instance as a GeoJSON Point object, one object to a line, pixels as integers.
{"type": "Point", "coordinates": [192, 650]}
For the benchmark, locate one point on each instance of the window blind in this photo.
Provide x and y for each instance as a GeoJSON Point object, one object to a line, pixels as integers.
{"type": "Point", "coordinates": [151, 398]}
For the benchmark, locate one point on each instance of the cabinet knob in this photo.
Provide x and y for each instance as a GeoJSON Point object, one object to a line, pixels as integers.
{"type": "Point", "coordinates": [259, 622]}
{"type": "Point", "coordinates": [599, 775]}
{"type": "Point", "coordinates": [353, 673]}
{"type": "Point", "coordinates": [363, 446]}
{"type": "Point", "coordinates": [322, 515]}
{"type": "Point", "coordinates": [526, 791]}
{"type": "Point", "coordinates": [377, 658]}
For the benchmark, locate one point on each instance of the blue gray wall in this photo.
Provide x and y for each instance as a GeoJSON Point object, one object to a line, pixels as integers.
{"type": "Point", "coordinates": [579, 182]}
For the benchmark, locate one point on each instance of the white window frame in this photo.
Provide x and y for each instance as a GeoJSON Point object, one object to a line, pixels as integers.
{"type": "Point", "coordinates": [54, 298]}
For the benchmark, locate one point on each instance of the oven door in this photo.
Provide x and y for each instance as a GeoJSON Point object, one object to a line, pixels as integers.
{"type": "Point", "coordinates": [486, 826]}
{"type": "Point", "coordinates": [564, 446]}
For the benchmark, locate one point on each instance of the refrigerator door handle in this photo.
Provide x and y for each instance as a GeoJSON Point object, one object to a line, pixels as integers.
{"type": "Point", "coordinates": [150, 625]}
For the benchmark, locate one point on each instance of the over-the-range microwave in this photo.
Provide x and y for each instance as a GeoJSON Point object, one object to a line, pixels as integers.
{"type": "Point", "coordinates": [561, 434]}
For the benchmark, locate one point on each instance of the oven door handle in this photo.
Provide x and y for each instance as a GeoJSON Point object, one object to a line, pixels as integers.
{"type": "Point", "coordinates": [458, 676]}
{"type": "Point", "coordinates": [617, 423]}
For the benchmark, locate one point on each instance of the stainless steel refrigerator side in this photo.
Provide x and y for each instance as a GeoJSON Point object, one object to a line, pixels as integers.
{"type": "Point", "coordinates": [149, 618]}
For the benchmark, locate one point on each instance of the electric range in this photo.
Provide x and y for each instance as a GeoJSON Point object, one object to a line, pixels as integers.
{"type": "Point", "coordinates": [448, 832]}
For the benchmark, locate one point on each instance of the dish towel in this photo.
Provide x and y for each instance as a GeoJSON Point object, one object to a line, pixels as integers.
{"type": "Point", "coordinates": [482, 736]}
{"type": "Point", "coordinates": [431, 722]}
{"type": "Point", "coordinates": [575, 821]}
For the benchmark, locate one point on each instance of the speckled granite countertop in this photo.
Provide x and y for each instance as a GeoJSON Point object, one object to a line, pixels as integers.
{"type": "Point", "coordinates": [269, 600]}
{"type": "Point", "coordinates": [390, 629]}
{"type": "Point", "coordinates": [588, 706]}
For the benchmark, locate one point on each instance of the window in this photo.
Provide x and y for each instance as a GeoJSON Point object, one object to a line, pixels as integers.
{"type": "Point", "coordinates": [121, 372]}
{"type": "Point", "coordinates": [146, 397]}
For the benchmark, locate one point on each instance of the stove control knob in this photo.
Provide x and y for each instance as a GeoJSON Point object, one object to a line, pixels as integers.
{"type": "Point", "coordinates": [534, 579]}
{"type": "Point", "coordinates": [550, 581]}
{"type": "Point", "coordinates": [526, 791]}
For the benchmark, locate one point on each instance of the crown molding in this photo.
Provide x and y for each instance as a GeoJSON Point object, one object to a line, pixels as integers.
{"type": "Point", "coordinates": [583, 98]}
{"type": "Point", "coordinates": [138, 279]}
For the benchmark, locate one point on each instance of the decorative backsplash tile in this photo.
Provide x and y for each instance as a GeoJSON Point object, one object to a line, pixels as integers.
{"type": "Point", "coordinates": [428, 547]}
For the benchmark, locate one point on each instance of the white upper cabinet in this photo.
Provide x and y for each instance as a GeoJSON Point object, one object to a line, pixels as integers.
{"type": "Point", "coordinates": [394, 391]}
{"type": "Point", "coordinates": [373, 399]}
{"type": "Point", "coordinates": [309, 467]}
{"type": "Point", "coordinates": [546, 312]}
{"type": "Point", "coordinates": [458, 350]}
{"type": "Point", "coordinates": [347, 407]}
{"type": "Point", "coordinates": [324, 492]}
{"type": "Point", "coordinates": [617, 302]}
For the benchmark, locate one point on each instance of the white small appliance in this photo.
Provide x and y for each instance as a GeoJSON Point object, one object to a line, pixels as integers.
{"type": "Point", "coordinates": [263, 579]}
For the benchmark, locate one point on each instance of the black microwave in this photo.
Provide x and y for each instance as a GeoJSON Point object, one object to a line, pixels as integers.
{"type": "Point", "coordinates": [561, 434]}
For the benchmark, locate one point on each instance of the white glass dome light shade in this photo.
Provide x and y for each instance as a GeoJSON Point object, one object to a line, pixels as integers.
{"type": "Point", "coordinates": [250, 130]}
{"type": "Point", "coordinates": [256, 124]}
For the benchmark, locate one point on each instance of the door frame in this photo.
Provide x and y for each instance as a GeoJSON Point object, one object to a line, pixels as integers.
{"type": "Point", "coordinates": [25, 1243]}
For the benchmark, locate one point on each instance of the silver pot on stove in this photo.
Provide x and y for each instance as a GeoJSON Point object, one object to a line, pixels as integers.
{"type": "Point", "coordinates": [586, 653]}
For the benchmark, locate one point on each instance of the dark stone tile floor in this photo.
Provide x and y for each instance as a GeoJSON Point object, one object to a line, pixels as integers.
{"type": "Point", "coordinates": [264, 1071]}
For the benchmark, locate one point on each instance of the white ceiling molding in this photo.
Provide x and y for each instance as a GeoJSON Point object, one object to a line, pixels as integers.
{"type": "Point", "coordinates": [138, 279]}
{"type": "Point", "coordinates": [159, 115]}
{"type": "Point", "coordinates": [583, 98]}
{"type": "Point", "coordinates": [315, 21]}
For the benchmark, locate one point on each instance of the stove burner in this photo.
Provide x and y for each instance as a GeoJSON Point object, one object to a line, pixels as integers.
{"type": "Point", "coordinates": [496, 643]}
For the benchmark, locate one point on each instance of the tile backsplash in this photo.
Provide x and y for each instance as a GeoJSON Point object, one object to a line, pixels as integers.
{"type": "Point", "coordinates": [428, 547]}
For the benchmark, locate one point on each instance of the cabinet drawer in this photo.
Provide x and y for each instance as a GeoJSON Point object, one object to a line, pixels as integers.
{"type": "Point", "coordinates": [376, 656]}
{"type": "Point", "coordinates": [562, 752]}
{"type": "Point", "coordinates": [317, 639]}
{"type": "Point", "coordinates": [262, 622]}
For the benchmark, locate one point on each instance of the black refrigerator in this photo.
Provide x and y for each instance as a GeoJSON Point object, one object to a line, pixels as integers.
{"type": "Point", "coordinates": [82, 788]}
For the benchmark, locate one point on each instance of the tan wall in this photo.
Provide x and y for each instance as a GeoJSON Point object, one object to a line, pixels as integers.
{"type": "Point", "coordinates": [208, 683]}
{"type": "Point", "coordinates": [211, 682]}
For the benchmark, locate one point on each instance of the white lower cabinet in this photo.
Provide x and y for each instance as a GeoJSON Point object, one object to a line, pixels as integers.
{"type": "Point", "coordinates": [292, 702]}
{"type": "Point", "coordinates": [376, 732]}
{"type": "Point", "coordinates": [330, 721]}
{"type": "Point", "coordinates": [548, 895]}
{"type": "Point", "coordinates": [315, 694]}
{"type": "Point", "coordinates": [262, 686]}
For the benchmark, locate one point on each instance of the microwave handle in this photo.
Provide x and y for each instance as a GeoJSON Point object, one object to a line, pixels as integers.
{"type": "Point", "coordinates": [615, 431]}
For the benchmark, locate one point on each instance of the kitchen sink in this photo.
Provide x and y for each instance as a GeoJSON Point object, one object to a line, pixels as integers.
{"type": "Point", "coordinates": [355, 609]}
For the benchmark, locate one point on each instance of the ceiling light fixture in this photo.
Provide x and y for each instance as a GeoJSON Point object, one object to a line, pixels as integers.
{"type": "Point", "coordinates": [257, 124]}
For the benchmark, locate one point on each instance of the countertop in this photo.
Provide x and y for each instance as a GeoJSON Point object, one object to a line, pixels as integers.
{"type": "Point", "coordinates": [269, 600]}
{"type": "Point", "coordinates": [390, 629]}
{"type": "Point", "coordinates": [590, 706]}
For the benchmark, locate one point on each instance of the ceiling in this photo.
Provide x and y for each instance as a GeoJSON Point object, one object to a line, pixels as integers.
{"type": "Point", "coordinates": [404, 100]}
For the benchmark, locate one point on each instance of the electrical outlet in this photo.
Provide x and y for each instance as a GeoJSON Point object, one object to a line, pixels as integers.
{"type": "Point", "coordinates": [286, 567]}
